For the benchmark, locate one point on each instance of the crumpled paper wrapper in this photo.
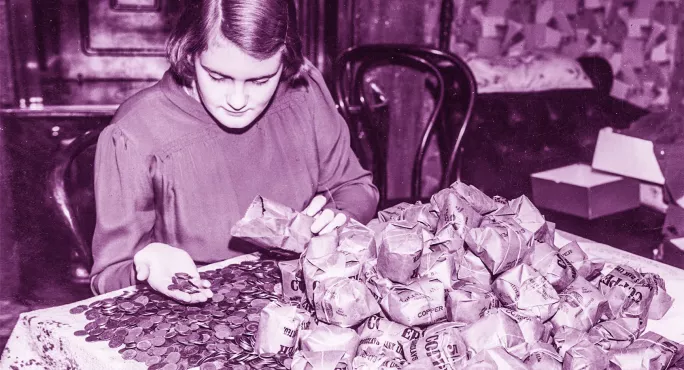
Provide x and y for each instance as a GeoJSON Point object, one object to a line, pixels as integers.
{"type": "Point", "coordinates": [437, 263]}
{"type": "Point", "coordinates": [501, 244]}
{"type": "Point", "coordinates": [446, 349]}
{"type": "Point", "coordinates": [532, 328]}
{"type": "Point", "coordinates": [566, 337]}
{"type": "Point", "coordinates": [585, 356]}
{"type": "Point", "coordinates": [379, 335]}
{"type": "Point", "coordinates": [424, 214]}
{"type": "Point", "coordinates": [440, 327]}
{"type": "Point", "coordinates": [616, 334]}
{"type": "Point", "coordinates": [366, 361]}
{"type": "Point", "coordinates": [524, 289]}
{"type": "Point", "coordinates": [394, 213]}
{"type": "Point", "coordinates": [452, 237]}
{"type": "Point", "coordinates": [325, 360]}
{"type": "Point", "coordinates": [343, 302]}
{"type": "Point", "coordinates": [586, 268]}
{"type": "Point", "coordinates": [471, 269]}
{"type": "Point", "coordinates": [330, 338]}
{"type": "Point", "coordinates": [661, 301]}
{"type": "Point", "coordinates": [467, 303]}
{"type": "Point", "coordinates": [293, 280]}
{"type": "Point", "coordinates": [322, 245]}
{"type": "Point", "coordinates": [274, 227]}
{"type": "Point", "coordinates": [627, 292]}
{"type": "Point", "coordinates": [279, 328]}
{"type": "Point", "coordinates": [375, 283]}
{"type": "Point", "coordinates": [542, 356]}
{"type": "Point", "coordinates": [478, 200]}
{"type": "Point", "coordinates": [400, 252]}
{"type": "Point", "coordinates": [526, 214]}
{"type": "Point", "coordinates": [650, 351]}
{"type": "Point", "coordinates": [581, 305]}
{"type": "Point", "coordinates": [557, 270]}
{"type": "Point", "coordinates": [420, 303]}
{"type": "Point", "coordinates": [491, 331]}
{"type": "Point", "coordinates": [357, 240]}
{"type": "Point", "coordinates": [495, 358]}
{"type": "Point", "coordinates": [454, 209]}
{"type": "Point", "coordinates": [422, 364]}
{"type": "Point", "coordinates": [338, 264]}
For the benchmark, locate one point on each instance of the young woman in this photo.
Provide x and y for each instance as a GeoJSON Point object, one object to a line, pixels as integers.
{"type": "Point", "coordinates": [240, 113]}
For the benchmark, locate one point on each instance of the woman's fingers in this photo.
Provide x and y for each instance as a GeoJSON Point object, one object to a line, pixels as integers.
{"type": "Point", "coordinates": [338, 221]}
{"type": "Point", "coordinates": [178, 295]}
{"type": "Point", "coordinates": [322, 220]}
{"type": "Point", "coordinates": [315, 206]}
{"type": "Point", "coordinates": [142, 271]}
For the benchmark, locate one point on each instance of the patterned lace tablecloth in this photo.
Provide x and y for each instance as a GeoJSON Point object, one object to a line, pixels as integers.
{"type": "Point", "coordinates": [44, 339]}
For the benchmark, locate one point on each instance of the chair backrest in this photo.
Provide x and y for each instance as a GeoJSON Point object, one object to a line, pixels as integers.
{"type": "Point", "coordinates": [365, 108]}
{"type": "Point", "coordinates": [62, 198]}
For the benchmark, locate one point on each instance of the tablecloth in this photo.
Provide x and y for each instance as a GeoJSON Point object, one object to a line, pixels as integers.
{"type": "Point", "coordinates": [44, 339]}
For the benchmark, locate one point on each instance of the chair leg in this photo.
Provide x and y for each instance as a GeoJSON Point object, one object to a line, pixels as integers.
{"type": "Point", "coordinates": [78, 270]}
{"type": "Point", "coordinates": [79, 274]}
{"type": "Point", "coordinates": [659, 252]}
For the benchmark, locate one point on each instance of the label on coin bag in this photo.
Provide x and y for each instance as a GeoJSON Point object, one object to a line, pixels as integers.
{"type": "Point", "coordinates": [379, 335]}
{"type": "Point", "coordinates": [419, 303]}
{"type": "Point", "coordinates": [278, 328]}
{"type": "Point", "coordinates": [445, 349]}
{"type": "Point", "coordinates": [293, 280]}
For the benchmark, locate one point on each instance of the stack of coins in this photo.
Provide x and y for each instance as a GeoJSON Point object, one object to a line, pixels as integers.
{"type": "Point", "coordinates": [184, 282]}
{"type": "Point", "coordinates": [150, 328]}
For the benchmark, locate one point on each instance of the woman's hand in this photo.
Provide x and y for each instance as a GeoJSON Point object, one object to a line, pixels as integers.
{"type": "Point", "coordinates": [326, 220]}
{"type": "Point", "coordinates": [157, 263]}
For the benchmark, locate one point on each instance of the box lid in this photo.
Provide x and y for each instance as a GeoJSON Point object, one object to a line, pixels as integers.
{"type": "Point", "coordinates": [578, 174]}
{"type": "Point", "coordinates": [627, 156]}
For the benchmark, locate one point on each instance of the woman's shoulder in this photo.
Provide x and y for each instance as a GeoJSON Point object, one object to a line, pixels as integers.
{"type": "Point", "coordinates": [309, 92]}
{"type": "Point", "coordinates": [132, 123]}
{"type": "Point", "coordinates": [139, 107]}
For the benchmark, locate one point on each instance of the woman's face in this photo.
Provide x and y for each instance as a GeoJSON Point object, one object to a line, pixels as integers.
{"type": "Point", "coordinates": [234, 87]}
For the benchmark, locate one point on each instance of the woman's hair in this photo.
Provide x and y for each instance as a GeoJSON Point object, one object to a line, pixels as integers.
{"type": "Point", "coordinates": [258, 27]}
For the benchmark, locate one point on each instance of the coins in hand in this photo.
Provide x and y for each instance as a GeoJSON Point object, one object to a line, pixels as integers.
{"type": "Point", "coordinates": [185, 283]}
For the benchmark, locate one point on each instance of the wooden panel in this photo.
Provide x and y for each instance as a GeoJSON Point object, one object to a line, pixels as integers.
{"type": "Point", "coordinates": [6, 82]}
{"type": "Point", "coordinates": [9, 261]}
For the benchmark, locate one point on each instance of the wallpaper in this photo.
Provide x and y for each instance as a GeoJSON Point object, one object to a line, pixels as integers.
{"type": "Point", "coordinates": [637, 37]}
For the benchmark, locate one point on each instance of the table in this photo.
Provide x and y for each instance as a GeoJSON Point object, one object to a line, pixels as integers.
{"type": "Point", "coordinates": [44, 338]}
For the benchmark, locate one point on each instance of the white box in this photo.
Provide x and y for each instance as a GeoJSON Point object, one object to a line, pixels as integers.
{"type": "Point", "coordinates": [627, 156]}
{"type": "Point", "coordinates": [578, 190]}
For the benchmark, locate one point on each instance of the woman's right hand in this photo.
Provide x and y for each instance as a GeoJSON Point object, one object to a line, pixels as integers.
{"type": "Point", "coordinates": [157, 263]}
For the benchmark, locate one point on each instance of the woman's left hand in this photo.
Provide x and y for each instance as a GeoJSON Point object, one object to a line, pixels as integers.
{"type": "Point", "coordinates": [326, 220]}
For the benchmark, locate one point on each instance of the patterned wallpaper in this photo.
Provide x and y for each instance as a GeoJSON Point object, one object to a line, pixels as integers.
{"type": "Point", "coordinates": [638, 37]}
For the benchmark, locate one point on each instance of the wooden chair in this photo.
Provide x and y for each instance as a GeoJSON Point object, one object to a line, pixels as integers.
{"type": "Point", "coordinates": [365, 108]}
{"type": "Point", "coordinates": [76, 217]}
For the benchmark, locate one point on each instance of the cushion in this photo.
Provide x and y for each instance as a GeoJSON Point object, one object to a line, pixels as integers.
{"type": "Point", "coordinates": [528, 73]}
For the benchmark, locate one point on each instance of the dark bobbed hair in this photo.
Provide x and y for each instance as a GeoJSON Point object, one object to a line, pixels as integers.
{"type": "Point", "coordinates": [259, 27]}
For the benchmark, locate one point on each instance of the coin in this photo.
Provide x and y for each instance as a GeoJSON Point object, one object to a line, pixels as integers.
{"type": "Point", "coordinates": [164, 334]}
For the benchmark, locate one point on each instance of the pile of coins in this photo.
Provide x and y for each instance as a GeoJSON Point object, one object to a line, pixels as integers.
{"type": "Point", "coordinates": [217, 334]}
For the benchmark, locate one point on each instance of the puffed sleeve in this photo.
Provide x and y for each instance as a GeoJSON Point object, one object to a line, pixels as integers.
{"type": "Point", "coordinates": [124, 202]}
{"type": "Point", "coordinates": [341, 176]}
